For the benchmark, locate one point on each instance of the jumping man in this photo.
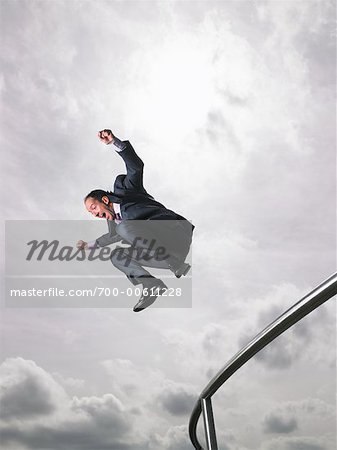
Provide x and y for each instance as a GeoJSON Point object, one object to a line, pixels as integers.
{"type": "Point", "coordinates": [136, 217]}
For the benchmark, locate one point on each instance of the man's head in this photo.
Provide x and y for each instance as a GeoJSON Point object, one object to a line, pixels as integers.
{"type": "Point", "coordinates": [99, 205]}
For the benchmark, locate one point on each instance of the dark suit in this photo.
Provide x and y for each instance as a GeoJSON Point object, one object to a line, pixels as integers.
{"type": "Point", "coordinates": [145, 218]}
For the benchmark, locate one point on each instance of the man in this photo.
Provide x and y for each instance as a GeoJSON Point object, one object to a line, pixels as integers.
{"type": "Point", "coordinates": [159, 237]}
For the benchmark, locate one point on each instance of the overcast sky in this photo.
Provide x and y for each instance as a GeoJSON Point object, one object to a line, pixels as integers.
{"type": "Point", "coordinates": [231, 105]}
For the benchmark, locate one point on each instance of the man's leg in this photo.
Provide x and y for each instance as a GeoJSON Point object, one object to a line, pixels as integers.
{"type": "Point", "coordinates": [166, 239]}
{"type": "Point", "coordinates": [130, 261]}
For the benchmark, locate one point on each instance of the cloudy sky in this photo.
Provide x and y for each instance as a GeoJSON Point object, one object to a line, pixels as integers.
{"type": "Point", "coordinates": [231, 105]}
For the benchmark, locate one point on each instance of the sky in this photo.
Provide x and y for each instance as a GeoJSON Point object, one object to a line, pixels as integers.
{"type": "Point", "coordinates": [231, 106]}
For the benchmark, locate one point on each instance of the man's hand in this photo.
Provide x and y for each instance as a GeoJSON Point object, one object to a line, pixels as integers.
{"type": "Point", "coordinates": [106, 136]}
{"type": "Point", "coordinates": [82, 245]}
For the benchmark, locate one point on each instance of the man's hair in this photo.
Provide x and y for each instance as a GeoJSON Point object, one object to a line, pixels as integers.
{"type": "Point", "coordinates": [97, 194]}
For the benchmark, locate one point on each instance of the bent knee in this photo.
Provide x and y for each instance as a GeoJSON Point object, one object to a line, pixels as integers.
{"type": "Point", "coordinates": [117, 255]}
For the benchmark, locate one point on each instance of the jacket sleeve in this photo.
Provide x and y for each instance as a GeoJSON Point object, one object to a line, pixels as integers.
{"type": "Point", "coordinates": [134, 165]}
{"type": "Point", "coordinates": [109, 238]}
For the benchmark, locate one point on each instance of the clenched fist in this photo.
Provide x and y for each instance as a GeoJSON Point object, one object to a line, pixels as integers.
{"type": "Point", "coordinates": [82, 245]}
{"type": "Point", "coordinates": [106, 136]}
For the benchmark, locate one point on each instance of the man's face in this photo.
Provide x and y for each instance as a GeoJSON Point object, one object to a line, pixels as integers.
{"type": "Point", "coordinates": [101, 209]}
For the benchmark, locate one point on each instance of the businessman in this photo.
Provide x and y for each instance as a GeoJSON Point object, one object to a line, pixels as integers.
{"type": "Point", "coordinates": [158, 237]}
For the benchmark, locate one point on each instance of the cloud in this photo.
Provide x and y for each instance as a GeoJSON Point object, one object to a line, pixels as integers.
{"type": "Point", "coordinates": [301, 341]}
{"type": "Point", "coordinates": [69, 435]}
{"type": "Point", "coordinates": [150, 390]}
{"type": "Point", "coordinates": [310, 416]}
{"type": "Point", "coordinates": [191, 348]}
{"type": "Point", "coordinates": [244, 317]}
{"type": "Point", "coordinates": [27, 391]}
{"type": "Point", "coordinates": [276, 424]}
{"type": "Point", "coordinates": [176, 438]}
{"type": "Point", "coordinates": [106, 411]}
{"type": "Point", "coordinates": [57, 421]}
{"type": "Point", "coordinates": [305, 410]}
{"type": "Point", "coordinates": [70, 384]}
{"type": "Point", "coordinates": [28, 399]}
{"type": "Point", "coordinates": [311, 406]}
{"type": "Point", "coordinates": [38, 414]}
{"type": "Point", "coordinates": [297, 443]}
{"type": "Point", "coordinates": [128, 379]}
{"type": "Point", "coordinates": [177, 400]}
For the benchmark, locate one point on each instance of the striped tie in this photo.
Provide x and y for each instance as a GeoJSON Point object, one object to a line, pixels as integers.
{"type": "Point", "coordinates": [118, 218]}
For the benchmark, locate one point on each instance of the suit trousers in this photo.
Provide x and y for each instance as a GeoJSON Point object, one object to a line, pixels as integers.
{"type": "Point", "coordinates": [161, 244]}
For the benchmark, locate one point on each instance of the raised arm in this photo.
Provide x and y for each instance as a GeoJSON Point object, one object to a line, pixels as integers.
{"type": "Point", "coordinates": [134, 165]}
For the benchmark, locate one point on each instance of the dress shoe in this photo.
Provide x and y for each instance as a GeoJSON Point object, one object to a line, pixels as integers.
{"type": "Point", "coordinates": [180, 270]}
{"type": "Point", "coordinates": [149, 294]}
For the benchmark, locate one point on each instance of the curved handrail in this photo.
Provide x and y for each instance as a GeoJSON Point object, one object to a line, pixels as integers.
{"type": "Point", "coordinates": [305, 306]}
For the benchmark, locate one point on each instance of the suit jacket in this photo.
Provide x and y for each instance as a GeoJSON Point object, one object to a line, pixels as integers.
{"type": "Point", "coordinates": [135, 202]}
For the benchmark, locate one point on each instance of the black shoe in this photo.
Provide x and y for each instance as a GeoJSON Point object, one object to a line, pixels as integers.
{"type": "Point", "coordinates": [181, 270]}
{"type": "Point", "coordinates": [149, 294]}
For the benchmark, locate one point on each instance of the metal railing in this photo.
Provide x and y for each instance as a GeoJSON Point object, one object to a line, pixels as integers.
{"type": "Point", "coordinates": [305, 306]}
